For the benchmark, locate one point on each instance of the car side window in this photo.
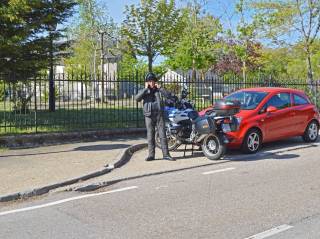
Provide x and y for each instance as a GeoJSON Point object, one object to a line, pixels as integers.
{"type": "Point", "coordinates": [280, 101]}
{"type": "Point", "coordinates": [299, 100]}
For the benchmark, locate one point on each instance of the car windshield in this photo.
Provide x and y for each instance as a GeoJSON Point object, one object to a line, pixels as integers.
{"type": "Point", "coordinates": [249, 99]}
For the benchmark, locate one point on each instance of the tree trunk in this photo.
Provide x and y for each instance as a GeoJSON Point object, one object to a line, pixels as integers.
{"type": "Point", "coordinates": [150, 62]}
{"type": "Point", "coordinates": [309, 65]}
{"type": "Point", "coordinates": [310, 75]}
{"type": "Point", "coordinates": [194, 73]}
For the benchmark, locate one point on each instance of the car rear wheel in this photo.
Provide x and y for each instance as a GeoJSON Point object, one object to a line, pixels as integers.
{"type": "Point", "coordinates": [312, 132]}
{"type": "Point", "coordinates": [252, 142]}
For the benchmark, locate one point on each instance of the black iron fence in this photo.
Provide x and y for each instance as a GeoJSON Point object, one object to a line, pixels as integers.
{"type": "Point", "coordinates": [83, 102]}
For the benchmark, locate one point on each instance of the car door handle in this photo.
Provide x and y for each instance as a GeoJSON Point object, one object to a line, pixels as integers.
{"type": "Point", "coordinates": [292, 113]}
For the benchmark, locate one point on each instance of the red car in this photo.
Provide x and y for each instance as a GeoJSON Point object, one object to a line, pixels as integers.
{"type": "Point", "coordinates": [270, 114]}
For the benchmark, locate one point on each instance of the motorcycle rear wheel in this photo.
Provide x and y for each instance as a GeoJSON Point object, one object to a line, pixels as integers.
{"type": "Point", "coordinates": [212, 147]}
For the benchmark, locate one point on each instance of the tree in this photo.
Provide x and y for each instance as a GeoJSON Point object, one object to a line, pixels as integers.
{"type": "Point", "coordinates": [86, 34]}
{"type": "Point", "coordinates": [289, 63]}
{"type": "Point", "coordinates": [25, 28]}
{"type": "Point", "coordinates": [246, 37]}
{"type": "Point", "coordinates": [291, 21]}
{"type": "Point", "coordinates": [152, 27]}
{"type": "Point", "coordinates": [197, 46]}
{"type": "Point", "coordinates": [235, 58]}
{"type": "Point", "coordinates": [274, 61]}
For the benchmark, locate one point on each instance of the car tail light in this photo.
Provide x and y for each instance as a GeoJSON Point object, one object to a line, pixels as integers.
{"type": "Point", "coordinates": [227, 121]}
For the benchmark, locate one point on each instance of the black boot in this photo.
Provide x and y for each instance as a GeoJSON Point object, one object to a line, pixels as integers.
{"type": "Point", "coordinates": [150, 158]}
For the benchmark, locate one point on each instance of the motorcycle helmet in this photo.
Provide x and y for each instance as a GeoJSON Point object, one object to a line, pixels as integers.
{"type": "Point", "coordinates": [151, 77]}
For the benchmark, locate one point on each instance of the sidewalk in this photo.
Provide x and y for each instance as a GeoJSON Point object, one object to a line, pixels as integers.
{"type": "Point", "coordinates": [25, 169]}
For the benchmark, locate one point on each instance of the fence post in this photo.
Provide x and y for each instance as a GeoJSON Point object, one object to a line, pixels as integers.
{"type": "Point", "coordinates": [35, 104]}
{"type": "Point", "coordinates": [137, 104]}
{"type": "Point", "coordinates": [316, 95]}
{"type": "Point", "coordinates": [4, 101]}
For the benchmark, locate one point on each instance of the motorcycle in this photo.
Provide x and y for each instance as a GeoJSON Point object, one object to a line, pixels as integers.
{"type": "Point", "coordinates": [185, 126]}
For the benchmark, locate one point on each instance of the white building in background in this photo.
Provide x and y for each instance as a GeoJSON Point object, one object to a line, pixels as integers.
{"type": "Point", "coordinates": [206, 85]}
{"type": "Point", "coordinates": [113, 88]}
{"type": "Point", "coordinates": [59, 69]}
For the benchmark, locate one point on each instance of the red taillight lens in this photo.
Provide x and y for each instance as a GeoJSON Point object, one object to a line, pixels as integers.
{"type": "Point", "coordinates": [227, 121]}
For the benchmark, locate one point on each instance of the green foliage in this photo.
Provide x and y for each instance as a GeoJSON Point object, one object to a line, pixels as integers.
{"type": "Point", "coordinates": [21, 98]}
{"type": "Point", "coordinates": [289, 62]}
{"type": "Point", "coordinates": [173, 88]}
{"type": "Point", "coordinates": [45, 95]}
{"type": "Point", "coordinates": [197, 46]}
{"type": "Point", "coordinates": [24, 39]}
{"type": "Point", "coordinates": [152, 27]}
{"type": "Point", "coordinates": [290, 21]}
{"type": "Point", "coordinates": [129, 65]}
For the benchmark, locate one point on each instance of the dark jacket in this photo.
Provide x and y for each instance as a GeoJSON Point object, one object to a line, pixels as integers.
{"type": "Point", "coordinates": [152, 100]}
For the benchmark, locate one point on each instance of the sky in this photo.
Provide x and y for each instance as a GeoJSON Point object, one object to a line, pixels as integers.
{"type": "Point", "coordinates": [117, 7]}
{"type": "Point", "coordinates": [219, 8]}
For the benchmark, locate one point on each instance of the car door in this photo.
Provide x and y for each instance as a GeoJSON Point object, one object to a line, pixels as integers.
{"type": "Point", "coordinates": [301, 112]}
{"type": "Point", "coordinates": [276, 125]}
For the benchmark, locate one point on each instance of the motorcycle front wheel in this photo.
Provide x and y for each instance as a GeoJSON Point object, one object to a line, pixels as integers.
{"type": "Point", "coordinates": [173, 143]}
{"type": "Point", "coordinates": [212, 147]}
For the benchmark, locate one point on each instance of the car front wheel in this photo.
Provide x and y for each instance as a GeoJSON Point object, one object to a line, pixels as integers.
{"type": "Point", "coordinates": [252, 142]}
{"type": "Point", "coordinates": [311, 133]}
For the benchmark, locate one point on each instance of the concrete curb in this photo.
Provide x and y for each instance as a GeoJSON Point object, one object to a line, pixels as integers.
{"type": "Point", "coordinates": [122, 159]}
{"type": "Point", "coordinates": [125, 156]}
{"type": "Point", "coordinates": [35, 140]}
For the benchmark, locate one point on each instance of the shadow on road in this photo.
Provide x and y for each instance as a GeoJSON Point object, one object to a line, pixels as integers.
{"type": "Point", "coordinates": [98, 147]}
{"type": "Point", "coordinates": [236, 155]}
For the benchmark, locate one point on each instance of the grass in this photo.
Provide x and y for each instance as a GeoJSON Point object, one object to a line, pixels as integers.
{"type": "Point", "coordinates": [3, 149]}
{"type": "Point", "coordinates": [63, 120]}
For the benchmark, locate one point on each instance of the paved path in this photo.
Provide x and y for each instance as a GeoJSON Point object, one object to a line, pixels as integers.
{"type": "Point", "coordinates": [269, 195]}
{"type": "Point", "coordinates": [24, 169]}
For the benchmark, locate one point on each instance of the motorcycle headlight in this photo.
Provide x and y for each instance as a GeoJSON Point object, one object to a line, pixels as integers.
{"type": "Point", "coordinates": [239, 120]}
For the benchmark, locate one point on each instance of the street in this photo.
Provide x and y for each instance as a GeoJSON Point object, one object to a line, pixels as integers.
{"type": "Point", "coordinates": [276, 196]}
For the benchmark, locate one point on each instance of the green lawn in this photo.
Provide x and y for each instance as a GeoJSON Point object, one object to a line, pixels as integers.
{"type": "Point", "coordinates": [69, 120]}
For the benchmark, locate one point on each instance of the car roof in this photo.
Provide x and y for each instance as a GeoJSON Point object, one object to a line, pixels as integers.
{"type": "Point", "coordinates": [272, 89]}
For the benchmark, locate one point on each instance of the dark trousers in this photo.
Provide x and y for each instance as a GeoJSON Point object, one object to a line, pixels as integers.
{"type": "Point", "coordinates": [151, 124]}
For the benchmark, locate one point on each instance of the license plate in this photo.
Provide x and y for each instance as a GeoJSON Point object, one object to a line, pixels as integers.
{"type": "Point", "coordinates": [226, 128]}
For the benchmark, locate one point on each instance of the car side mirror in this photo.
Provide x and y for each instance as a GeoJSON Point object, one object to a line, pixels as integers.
{"type": "Point", "coordinates": [271, 109]}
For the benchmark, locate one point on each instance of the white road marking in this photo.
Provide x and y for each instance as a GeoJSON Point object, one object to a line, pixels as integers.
{"type": "Point", "coordinates": [65, 200]}
{"type": "Point", "coordinates": [271, 232]}
{"type": "Point", "coordinates": [218, 171]}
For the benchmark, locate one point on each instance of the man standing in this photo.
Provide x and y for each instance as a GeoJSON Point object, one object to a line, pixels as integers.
{"type": "Point", "coordinates": [153, 112]}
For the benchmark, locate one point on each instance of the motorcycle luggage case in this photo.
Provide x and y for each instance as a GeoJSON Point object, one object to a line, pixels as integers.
{"type": "Point", "coordinates": [227, 107]}
{"type": "Point", "coordinates": [205, 125]}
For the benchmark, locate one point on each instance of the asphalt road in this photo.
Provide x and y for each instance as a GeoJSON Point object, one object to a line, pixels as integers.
{"type": "Point", "coordinates": [268, 197]}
